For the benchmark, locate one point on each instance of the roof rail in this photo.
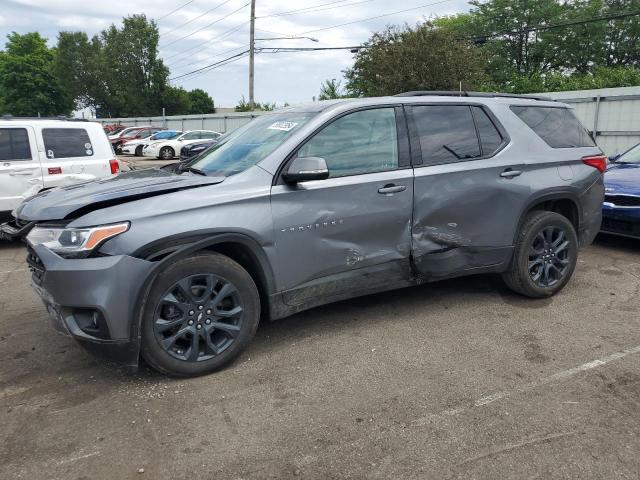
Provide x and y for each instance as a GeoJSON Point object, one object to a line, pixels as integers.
{"type": "Point", "coordinates": [7, 116]}
{"type": "Point", "coordinates": [463, 93]}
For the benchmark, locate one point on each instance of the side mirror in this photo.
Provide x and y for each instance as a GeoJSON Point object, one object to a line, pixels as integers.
{"type": "Point", "coordinates": [614, 158]}
{"type": "Point", "coordinates": [304, 169]}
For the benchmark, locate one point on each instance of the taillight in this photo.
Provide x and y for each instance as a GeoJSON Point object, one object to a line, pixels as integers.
{"type": "Point", "coordinates": [115, 166]}
{"type": "Point", "coordinates": [598, 162]}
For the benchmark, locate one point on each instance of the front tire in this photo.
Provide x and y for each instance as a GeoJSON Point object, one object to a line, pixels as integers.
{"type": "Point", "coordinates": [545, 255]}
{"type": "Point", "coordinates": [138, 152]}
{"type": "Point", "coordinates": [167, 153]}
{"type": "Point", "coordinates": [200, 314]}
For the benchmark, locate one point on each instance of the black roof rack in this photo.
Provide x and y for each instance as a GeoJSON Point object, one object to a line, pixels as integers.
{"type": "Point", "coordinates": [7, 116]}
{"type": "Point", "coordinates": [463, 93]}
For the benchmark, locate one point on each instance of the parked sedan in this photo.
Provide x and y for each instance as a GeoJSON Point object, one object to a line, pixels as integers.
{"type": "Point", "coordinates": [135, 146]}
{"type": "Point", "coordinates": [167, 149]}
{"type": "Point", "coordinates": [132, 134]}
{"type": "Point", "coordinates": [189, 151]}
{"type": "Point", "coordinates": [621, 208]}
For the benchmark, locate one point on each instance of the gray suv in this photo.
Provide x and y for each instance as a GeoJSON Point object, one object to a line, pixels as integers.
{"type": "Point", "coordinates": [310, 205]}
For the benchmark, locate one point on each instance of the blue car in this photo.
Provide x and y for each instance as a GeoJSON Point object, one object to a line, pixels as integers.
{"type": "Point", "coordinates": [621, 207]}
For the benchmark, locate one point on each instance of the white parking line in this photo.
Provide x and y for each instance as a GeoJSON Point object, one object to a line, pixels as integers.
{"type": "Point", "coordinates": [556, 377]}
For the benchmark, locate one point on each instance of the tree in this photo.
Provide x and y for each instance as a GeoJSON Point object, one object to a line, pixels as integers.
{"type": "Point", "coordinates": [27, 84]}
{"type": "Point", "coordinates": [522, 57]}
{"type": "Point", "coordinates": [331, 89]}
{"type": "Point", "coordinates": [420, 58]}
{"type": "Point", "coordinates": [176, 101]}
{"type": "Point", "coordinates": [118, 72]}
{"type": "Point", "coordinates": [200, 102]}
{"type": "Point", "coordinates": [243, 106]}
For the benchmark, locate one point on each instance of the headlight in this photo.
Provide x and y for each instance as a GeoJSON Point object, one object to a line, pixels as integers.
{"type": "Point", "coordinates": [74, 242]}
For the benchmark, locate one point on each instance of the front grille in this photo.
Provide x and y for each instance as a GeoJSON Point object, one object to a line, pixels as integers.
{"type": "Point", "coordinates": [623, 200]}
{"type": "Point", "coordinates": [35, 265]}
{"type": "Point", "coordinates": [624, 227]}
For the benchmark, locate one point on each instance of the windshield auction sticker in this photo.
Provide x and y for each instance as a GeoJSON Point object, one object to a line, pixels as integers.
{"type": "Point", "coordinates": [284, 126]}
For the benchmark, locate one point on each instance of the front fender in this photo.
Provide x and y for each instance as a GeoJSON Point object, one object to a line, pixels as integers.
{"type": "Point", "coordinates": [168, 250]}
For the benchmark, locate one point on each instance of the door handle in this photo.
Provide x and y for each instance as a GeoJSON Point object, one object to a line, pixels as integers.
{"type": "Point", "coordinates": [391, 188]}
{"type": "Point", "coordinates": [21, 172]}
{"type": "Point", "coordinates": [508, 173]}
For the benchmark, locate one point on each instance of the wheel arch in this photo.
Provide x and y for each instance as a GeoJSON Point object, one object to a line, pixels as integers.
{"type": "Point", "coordinates": [566, 203]}
{"type": "Point", "coordinates": [238, 246]}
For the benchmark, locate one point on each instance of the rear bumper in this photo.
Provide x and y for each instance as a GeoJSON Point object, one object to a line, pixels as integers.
{"type": "Point", "coordinates": [624, 221]}
{"type": "Point", "coordinates": [93, 300]}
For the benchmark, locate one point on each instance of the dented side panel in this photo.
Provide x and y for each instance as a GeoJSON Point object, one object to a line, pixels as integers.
{"type": "Point", "coordinates": [327, 227]}
{"type": "Point", "coordinates": [465, 214]}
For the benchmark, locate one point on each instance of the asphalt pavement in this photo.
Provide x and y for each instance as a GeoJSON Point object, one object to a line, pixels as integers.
{"type": "Point", "coordinates": [459, 379]}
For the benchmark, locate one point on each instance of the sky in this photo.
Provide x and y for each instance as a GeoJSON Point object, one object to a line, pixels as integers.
{"type": "Point", "coordinates": [197, 33]}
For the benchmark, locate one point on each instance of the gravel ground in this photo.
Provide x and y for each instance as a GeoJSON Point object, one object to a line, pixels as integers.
{"type": "Point", "coordinates": [459, 379]}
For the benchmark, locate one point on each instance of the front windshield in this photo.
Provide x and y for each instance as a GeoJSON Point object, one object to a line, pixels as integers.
{"type": "Point", "coordinates": [632, 156]}
{"type": "Point", "coordinates": [130, 133]}
{"type": "Point", "coordinates": [248, 145]}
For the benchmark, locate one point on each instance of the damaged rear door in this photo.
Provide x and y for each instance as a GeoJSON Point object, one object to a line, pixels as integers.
{"type": "Point", "coordinates": [469, 191]}
{"type": "Point", "coordinates": [348, 234]}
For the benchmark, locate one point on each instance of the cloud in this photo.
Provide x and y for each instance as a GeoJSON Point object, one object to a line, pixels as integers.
{"type": "Point", "coordinates": [291, 77]}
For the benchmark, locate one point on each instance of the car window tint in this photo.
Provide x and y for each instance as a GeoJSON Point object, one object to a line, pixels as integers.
{"type": "Point", "coordinates": [361, 142]}
{"type": "Point", "coordinates": [447, 133]}
{"type": "Point", "coordinates": [67, 142]}
{"type": "Point", "coordinates": [490, 138]}
{"type": "Point", "coordinates": [191, 136]}
{"type": "Point", "coordinates": [207, 135]}
{"type": "Point", "coordinates": [558, 127]}
{"type": "Point", "coordinates": [14, 144]}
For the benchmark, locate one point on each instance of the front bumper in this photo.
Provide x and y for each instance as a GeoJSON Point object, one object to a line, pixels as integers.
{"type": "Point", "coordinates": [128, 149]}
{"type": "Point", "coordinates": [150, 152]}
{"type": "Point", "coordinates": [93, 300]}
{"type": "Point", "coordinates": [623, 221]}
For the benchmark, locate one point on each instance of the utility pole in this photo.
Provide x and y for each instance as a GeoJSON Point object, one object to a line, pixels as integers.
{"type": "Point", "coordinates": [252, 52]}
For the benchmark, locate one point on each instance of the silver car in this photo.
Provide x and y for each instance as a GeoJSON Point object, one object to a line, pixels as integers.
{"type": "Point", "coordinates": [310, 205]}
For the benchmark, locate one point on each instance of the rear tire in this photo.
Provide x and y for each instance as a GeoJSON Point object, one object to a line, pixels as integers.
{"type": "Point", "coordinates": [167, 153]}
{"type": "Point", "coordinates": [545, 255]}
{"type": "Point", "coordinates": [200, 314]}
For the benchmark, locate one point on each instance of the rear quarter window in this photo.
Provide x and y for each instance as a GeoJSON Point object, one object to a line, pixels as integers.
{"type": "Point", "coordinates": [14, 144]}
{"type": "Point", "coordinates": [67, 142]}
{"type": "Point", "coordinates": [557, 126]}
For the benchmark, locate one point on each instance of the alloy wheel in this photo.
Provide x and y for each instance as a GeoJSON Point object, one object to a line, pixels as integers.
{"type": "Point", "coordinates": [549, 256]}
{"type": "Point", "coordinates": [198, 318]}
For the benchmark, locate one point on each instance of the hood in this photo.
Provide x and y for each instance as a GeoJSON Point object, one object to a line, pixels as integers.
{"type": "Point", "coordinates": [81, 198]}
{"type": "Point", "coordinates": [623, 178]}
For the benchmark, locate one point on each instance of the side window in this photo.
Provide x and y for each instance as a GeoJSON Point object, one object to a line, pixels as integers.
{"type": "Point", "coordinates": [14, 144]}
{"type": "Point", "coordinates": [557, 126]}
{"type": "Point", "coordinates": [447, 133]}
{"type": "Point", "coordinates": [67, 142]}
{"type": "Point", "coordinates": [360, 142]}
{"type": "Point", "coordinates": [490, 138]}
{"type": "Point", "coordinates": [191, 136]}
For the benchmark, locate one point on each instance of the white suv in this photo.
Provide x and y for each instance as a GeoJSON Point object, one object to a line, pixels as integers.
{"type": "Point", "coordinates": [37, 154]}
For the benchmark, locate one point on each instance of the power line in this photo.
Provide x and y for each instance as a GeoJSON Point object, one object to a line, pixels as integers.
{"type": "Point", "coordinates": [315, 8]}
{"type": "Point", "coordinates": [555, 25]}
{"type": "Point", "coordinates": [174, 11]}
{"type": "Point", "coordinates": [196, 18]}
{"type": "Point", "coordinates": [206, 26]}
{"type": "Point", "coordinates": [306, 49]}
{"type": "Point", "coordinates": [373, 18]}
{"type": "Point", "coordinates": [213, 56]}
{"type": "Point", "coordinates": [211, 66]}
{"type": "Point", "coordinates": [224, 34]}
